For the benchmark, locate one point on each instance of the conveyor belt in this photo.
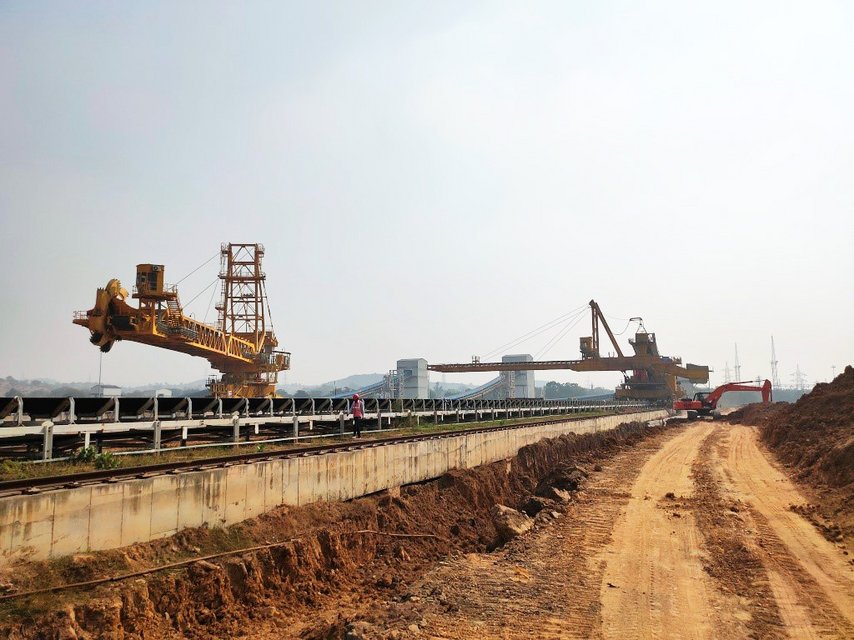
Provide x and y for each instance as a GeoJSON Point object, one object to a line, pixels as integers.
{"type": "Point", "coordinates": [30, 485]}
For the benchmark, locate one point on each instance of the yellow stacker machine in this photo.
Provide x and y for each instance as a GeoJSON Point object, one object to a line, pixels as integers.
{"type": "Point", "coordinates": [241, 345]}
{"type": "Point", "coordinates": [647, 375]}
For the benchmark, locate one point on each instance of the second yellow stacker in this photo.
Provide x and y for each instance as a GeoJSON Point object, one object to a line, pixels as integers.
{"type": "Point", "coordinates": [653, 377]}
{"type": "Point", "coordinates": [242, 345]}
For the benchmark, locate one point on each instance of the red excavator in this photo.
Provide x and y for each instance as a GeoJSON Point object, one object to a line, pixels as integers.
{"type": "Point", "coordinates": [705, 402]}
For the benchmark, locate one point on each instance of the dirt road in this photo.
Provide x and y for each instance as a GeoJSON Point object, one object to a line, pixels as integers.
{"type": "Point", "coordinates": [654, 584]}
{"type": "Point", "coordinates": [813, 583]}
{"type": "Point", "coordinates": [689, 535]}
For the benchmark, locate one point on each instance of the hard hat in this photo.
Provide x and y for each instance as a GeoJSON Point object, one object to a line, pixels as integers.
{"type": "Point", "coordinates": [355, 396]}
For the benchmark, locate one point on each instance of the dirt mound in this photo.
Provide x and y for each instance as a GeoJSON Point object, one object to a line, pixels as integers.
{"type": "Point", "coordinates": [814, 437]}
{"type": "Point", "coordinates": [319, 562]}
{"type": "Point", "coordinates": [816, 434]}
{"type": "Point", "coordinates": [567, 477]}
{"type": "Point", "coordinates": [755, 414]}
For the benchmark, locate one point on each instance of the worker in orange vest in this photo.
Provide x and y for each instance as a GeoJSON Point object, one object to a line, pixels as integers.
{"type": "Point", "coordinates": [358, 409]}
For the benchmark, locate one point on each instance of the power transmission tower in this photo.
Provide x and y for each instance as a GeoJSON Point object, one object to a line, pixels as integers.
{"type": "Point", "coordinates": [737, 365]}
{"type": "Point", "coordinates": [775, 377]}
{"type": "Point", "coordinates": [800, 378]}
{"type": "Point", "coordinates": [727, 377]}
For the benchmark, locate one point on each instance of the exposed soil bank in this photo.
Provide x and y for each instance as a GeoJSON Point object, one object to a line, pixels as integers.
{"type": "Point", "coordinates": [815, 439]}
{"type": "Point", "coordinates": [816, 434]}
{"type": "Point", "coordinates": [330, 561]}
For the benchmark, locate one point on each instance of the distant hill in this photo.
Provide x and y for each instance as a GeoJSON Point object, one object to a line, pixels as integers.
{"type": "Point", "coordinates": [10, 386]}
{"type": "Point", "coordinates": [452, 386]}
{"type": "Point", "coordinates": [555, 390]}
{"type": "Point", "coordinates": [194, 389]}
{"type": "Point", "coordinates": [356, 381]}
{"type": "Point", "coordinates": [360, 381]}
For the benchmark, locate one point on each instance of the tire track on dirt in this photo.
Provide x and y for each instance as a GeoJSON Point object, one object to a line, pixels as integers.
{"type": "Point", "coordinates": [542, 585]}
{"type": "Point", "coordinates": [732, 556]}
{"type": "Point", "coordinates": [811, 580]}
{"type": "Point", "coordinates": [654, 584]}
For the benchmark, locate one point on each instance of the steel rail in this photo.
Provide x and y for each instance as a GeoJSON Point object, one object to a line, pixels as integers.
{"type": "Point", "coordinates": [72, 480]}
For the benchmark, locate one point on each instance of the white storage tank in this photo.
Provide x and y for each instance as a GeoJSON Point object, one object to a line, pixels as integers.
{"type": "Point", "coordinates": [414, 378]}
{"type": "Point", "coordinates": [523, 381]}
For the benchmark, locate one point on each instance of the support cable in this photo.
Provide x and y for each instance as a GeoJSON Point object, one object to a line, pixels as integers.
{"type": "Point", "coordinates": [556, 339]}
{"type": "Point", "coordinates": [269, 313]}
{"type": "Point", "coordinates": [187, 304]}
{"type": "Point", "coordinates": [607, 315]}
{"type": "Point", "coordinates": [197, 268]}
{"type": "Point", "coordinates": [624, 328]}
{"type": "Point", "coordinates": [210, 302]}
{"type": "Point", "coordinates": [569, 316]}
{"type": "Point", "coordinates": [572, 319]}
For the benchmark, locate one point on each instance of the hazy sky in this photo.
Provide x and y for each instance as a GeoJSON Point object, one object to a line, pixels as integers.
{"type": "Point", "coordinates": [433, 179]}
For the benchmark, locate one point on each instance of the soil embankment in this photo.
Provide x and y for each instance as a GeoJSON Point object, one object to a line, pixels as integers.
{"type": "Point", "coordinates": [814, 438]}
{"type": "Point", "coordinates": [321, 563]}
{"type": "Point", "coordinates": [816, 434]}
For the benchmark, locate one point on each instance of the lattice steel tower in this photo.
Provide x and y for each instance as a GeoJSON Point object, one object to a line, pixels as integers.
{"type": "Point", "coordinates": [775, 377]}
{"type": "Point", "coordinates": [244, 299]}
{"type": "Point", "coordinates": [737, 364]}
{"type": "Point", "coordinates": [244, 313]}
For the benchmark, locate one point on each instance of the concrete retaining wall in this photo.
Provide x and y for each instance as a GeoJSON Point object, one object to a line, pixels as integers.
{"type": "Point", "coordinates": [107, 516]}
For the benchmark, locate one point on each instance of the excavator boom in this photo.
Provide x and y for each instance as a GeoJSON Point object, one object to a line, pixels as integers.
{"type": "Point", "coordinates": [706, 402]}
{"type": "Point", "coordinates": [765, 390]}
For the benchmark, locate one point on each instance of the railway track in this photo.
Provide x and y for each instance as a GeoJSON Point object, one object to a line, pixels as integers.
{"type": "Point", "coordinates": [73, 480]}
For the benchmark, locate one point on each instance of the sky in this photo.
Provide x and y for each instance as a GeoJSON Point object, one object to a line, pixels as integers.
{"type": "Point", "coordinates": [434, 179]}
